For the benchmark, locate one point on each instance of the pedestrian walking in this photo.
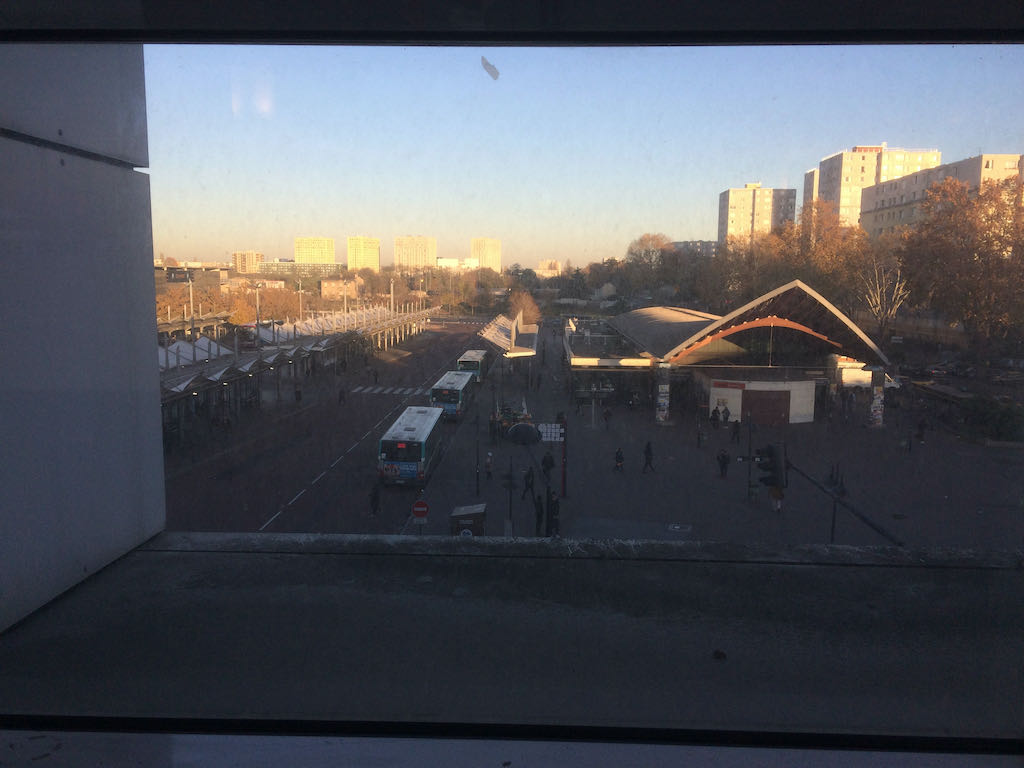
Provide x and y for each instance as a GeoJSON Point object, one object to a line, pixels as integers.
{"type": "Point", "coordinates": [489, 464]}
{"type": "Point", "coordinates": [723, 462]}
{"type": "Point", "coordinates": [376, 377]}
{"type": "Point", "coordinates": [619, 460]}
{"type": "Point", "coordinates": [546, 465]}
{"type": "Point", "coordinates": [492, 429]}
{"type": "Point", "coordinates": [607, 416]}
{"type": "Point", "coordinates": [648, 457]}
{"type": "Point", "coordinates": [552, 516]}
{"type": "Point", "coordinates": [725, 415]}
{"type": "Point", "coordinates": [527, 483]}
{"type": "Point", "coordinates": [715, 416]}
{"type": "Point", "coordinates": [735, 438]}
{"type": "Point", "coordinates": [538, 508]}
{"type": "Point", "coordinates": [777, 497]}
{"type": "Point", "coordinates": [375, 500]}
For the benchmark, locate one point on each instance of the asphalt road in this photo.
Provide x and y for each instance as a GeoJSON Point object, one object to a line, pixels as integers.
{"type": "Point", "coordinates": [309, 467]}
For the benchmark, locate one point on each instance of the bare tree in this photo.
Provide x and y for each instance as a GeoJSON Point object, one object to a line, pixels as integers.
{"type": "Point", "coordinates": [883, 290]}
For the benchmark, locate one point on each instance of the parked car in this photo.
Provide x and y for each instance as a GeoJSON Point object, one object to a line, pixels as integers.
{"type": "Point", "coordinates": [939, 369]}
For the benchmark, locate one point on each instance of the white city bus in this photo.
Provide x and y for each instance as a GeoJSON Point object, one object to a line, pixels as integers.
{"type": "Point", "coordinates": [475, 360]}
{"type": "Point", "coordinates": [453, 392]}
{"type": "Point", "coordinates": [410, 447]}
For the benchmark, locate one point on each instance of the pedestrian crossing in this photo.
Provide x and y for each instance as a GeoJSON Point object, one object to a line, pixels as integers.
{"type": "Point", "coordinates": [382, 390]}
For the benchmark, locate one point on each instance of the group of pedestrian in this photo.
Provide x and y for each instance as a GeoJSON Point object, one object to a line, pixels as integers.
{"type": "Point", "coordinates": [620, 459]}
{"type": "Point", "coordinates": [720, 416]}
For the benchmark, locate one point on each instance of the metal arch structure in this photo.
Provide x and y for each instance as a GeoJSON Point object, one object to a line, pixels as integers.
{"type": "Point", "coordinates": [794, 305]}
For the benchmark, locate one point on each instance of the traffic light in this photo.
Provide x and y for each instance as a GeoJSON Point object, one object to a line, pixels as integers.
{"type": "Point", "coordinates": [771, 464]}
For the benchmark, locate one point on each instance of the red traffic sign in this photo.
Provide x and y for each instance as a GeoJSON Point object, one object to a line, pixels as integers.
{"type": "Point", "coordinates": [419, 508]}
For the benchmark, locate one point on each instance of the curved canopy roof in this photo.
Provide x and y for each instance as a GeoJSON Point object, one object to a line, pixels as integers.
{"type": "Point", "coordinates": [794, 305]}
{"type": "Point", "coordinates": [683, 336]}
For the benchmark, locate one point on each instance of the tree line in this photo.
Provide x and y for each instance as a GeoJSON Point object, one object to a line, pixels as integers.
{"type": "Point", "coordinates": [963, 262]}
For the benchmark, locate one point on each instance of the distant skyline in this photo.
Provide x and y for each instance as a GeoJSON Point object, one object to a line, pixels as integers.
{"type": "Point", "coordinates": [559, 153]}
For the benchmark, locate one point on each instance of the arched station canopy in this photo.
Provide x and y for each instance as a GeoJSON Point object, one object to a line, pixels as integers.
{"type": "Point", "coordinates": [685, 337]}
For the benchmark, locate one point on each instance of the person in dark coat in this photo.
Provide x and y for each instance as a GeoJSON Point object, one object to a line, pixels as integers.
{"type": "Point", "coordinates": [723, 462]}
{"type": "Point", "coordinates": [552, 521]}
{"type": "Point", "coordinates": [547, 464]}
{"type": "Point", "coordinates": [375, 500]}
{"type": "Point", "coordinates": [527, 483]}
{"type": "Point", "coordinates": [538, 506]}
{"type": "Point", "coordinates": [648, 457]}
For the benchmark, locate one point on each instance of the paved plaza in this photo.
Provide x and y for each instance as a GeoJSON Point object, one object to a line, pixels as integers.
{"type": "Point", "coordinates": [671, 600]}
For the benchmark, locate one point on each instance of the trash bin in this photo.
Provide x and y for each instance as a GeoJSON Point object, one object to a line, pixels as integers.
{"type": "Point", "coordinates": [468, 520]}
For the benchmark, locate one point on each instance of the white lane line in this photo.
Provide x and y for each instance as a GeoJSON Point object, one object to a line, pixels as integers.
{"type": "Point", "coordinates": [317, 478]}
{"type": "Point", "coordinates": [357, 389]}
{"type": "Point", "coordinates": [272, 519]}
{"type": "Point", "coordinates": [339, 458]}
{"type": "Point", "coordinates": [296, 497]}
{"type": "Point", "coordinates": [366, 435]}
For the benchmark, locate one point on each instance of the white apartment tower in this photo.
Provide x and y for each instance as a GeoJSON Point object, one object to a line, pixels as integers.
{"type": "Point", "coordinates": [753, 209]}
{"type": "Point", "coordinates": [246, 262]}
{"type": "Point", "coordinates": [314, 250]}
{"type": "Point", "coordinates": [364, 252]}
{"type": "Point", "coordinates": [896, 203]}
{"type": "Point", "coordinates": [415, 252]}
{"type": "Point", "coordinates": [486, 251]}
{"type": "Point", "coordinates": [840, 178]}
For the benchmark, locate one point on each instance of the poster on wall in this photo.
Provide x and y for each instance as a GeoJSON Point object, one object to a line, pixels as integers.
{"type": "Point", "coordinates": [661, 412]}
{"type": "Point", "coordinates": [877, 405]}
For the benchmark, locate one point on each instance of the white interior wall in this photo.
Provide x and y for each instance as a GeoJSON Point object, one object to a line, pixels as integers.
{"type": "Point", "coordinates": [83, 465]}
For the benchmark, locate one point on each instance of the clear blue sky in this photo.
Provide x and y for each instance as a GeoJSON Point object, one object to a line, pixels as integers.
{"type": "Point", "coordinates": [570, 153]}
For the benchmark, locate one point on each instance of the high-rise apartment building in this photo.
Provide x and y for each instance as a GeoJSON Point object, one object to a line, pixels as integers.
{"type": "Point", "coordinates": [314, 250]}
{"type": "Point", "coordinates": [840, 178]}
{"type": "Point", "coordinates": [246, 261]}
{"type": "Point", "coordinates": [487, 252]}
{"type": "Point", "coordinates": [415, 252]}
{"type": "Point", "coordinates": [753, 209]}
{"type": "Point", "coordinates": [364, 252]}
{"type": "Point", "coordinates": [896, 203]}
{"type": "Point", "coordinates": [548, 268]}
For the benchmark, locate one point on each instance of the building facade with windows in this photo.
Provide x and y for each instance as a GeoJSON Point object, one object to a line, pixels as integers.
{"type": "Point", "coordinates": [413, 252]}
{"type": "Point", "coordinates": [295, 269]}
{"type": "Point", "coordinates": [487, 253]}
{"type": "Point", "coordinates": [246, 261]}
{"type": "Point", "coordinates": [753, 209]}
{"type": "Point", "coordinates": [548, 268]}
{"type": "Point", "coordinates": [314, 250]}
{"type": "Point", "coordinates": [840, 178]}
{"type": "Point", "coordinates": [896, 203]}
{"type": "Point", "coordinates": [364, 253]}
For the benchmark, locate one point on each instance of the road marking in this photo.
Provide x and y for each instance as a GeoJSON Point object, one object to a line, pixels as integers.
{"type": "Point", "coordinates": [340, 458]}
{"type": "Point", "coordinates": [318, 477]}
{"type": "Point", "coordinates": [367, 434]}
{"type": "Point", "coordinates": [296, 497]}
{"type": "Point", "coordinates": [272, 519]}
{"type": "Point", "coordinates": [357, 389]}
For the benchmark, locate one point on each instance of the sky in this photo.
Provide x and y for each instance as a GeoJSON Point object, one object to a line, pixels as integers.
{"type": "Point", "coordinates": [560, 153]}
